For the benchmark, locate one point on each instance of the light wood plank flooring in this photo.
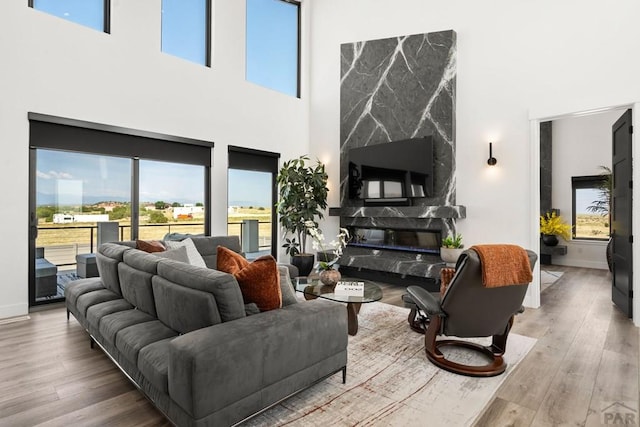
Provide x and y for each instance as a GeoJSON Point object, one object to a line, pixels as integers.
{"type": "Point", "coordinates": [586, 356]}
{"type": "Point", "coordinates": [587, 353]}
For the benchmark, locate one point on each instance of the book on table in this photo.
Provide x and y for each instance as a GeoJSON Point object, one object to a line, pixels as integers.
{"type": "Point", "coordinates": [349, 288]}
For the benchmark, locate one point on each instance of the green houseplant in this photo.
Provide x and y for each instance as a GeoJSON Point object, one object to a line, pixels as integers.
{"type": "Point", "coordinates": [451, 247]}
{"type": "Point", "coordinates": [302, 198]}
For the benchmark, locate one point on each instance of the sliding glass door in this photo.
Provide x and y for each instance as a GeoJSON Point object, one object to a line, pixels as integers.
{"type": "Point", "coordinates": [74, 193]}
{"type": "Point", "coordinates": [250, 200]}
{"type": "Point", "coordinates": [91, 183]}
{"type": "Point", "coordinates": [171, 199]}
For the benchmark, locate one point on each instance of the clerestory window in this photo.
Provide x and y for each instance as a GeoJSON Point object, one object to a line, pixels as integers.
{"type": "Point", "coordinates": [186, 30]}
{"type": "Point", "coordinates": [273, 45]}
{"type": "Point", "coordinates": [90, 13]}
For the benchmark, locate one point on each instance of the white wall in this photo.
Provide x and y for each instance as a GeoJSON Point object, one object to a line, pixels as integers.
{"type": "Point", "coordinates": [580, 146]}
{"type": "Point", "coordinates": [52, 66]}
{"type": "Point", "coordinates": [516, 60]}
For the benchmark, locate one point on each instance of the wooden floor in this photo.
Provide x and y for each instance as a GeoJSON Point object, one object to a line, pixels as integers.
{"type": "Point", "coordinates": [586, 356]}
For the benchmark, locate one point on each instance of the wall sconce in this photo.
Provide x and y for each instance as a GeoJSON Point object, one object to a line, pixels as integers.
{"type": "Point", "coordinates": [492, 160]}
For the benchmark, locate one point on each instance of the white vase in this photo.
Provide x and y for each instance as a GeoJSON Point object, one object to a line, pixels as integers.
{"type": "Point", "coordinates": [450, 255]}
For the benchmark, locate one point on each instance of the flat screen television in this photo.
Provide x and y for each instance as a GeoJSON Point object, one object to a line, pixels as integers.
{"type": "Point", "coordinates": [392, 173]}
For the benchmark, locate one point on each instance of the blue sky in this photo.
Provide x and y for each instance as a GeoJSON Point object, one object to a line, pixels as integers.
{"type": "Point", "coordinates": [62, 175]}
{"type": "Point", "coordinates": [585, 197]}
{"type": "Point", "coordinates": [271, 38]}
{"type": "Point", "coordinates": [272, 61]}
{"type": "Point", "coordinates": [249, 188]}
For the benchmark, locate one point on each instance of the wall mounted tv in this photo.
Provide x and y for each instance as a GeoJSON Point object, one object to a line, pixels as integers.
{"type": "Point", "coordinates": [392, 173]}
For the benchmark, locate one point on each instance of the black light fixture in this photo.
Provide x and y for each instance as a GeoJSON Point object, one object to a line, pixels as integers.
{"type": "Point", "coordinates": [492, 160]}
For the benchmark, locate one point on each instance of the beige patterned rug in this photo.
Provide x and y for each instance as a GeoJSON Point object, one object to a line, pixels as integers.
{"type": "Point", "coordinates": [390, 382]}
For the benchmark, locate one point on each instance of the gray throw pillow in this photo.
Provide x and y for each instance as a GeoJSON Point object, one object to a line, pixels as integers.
{"type": "Point", "coordinates": [286, 287]}
{"type": "Point", "coordinates": [177, 254]}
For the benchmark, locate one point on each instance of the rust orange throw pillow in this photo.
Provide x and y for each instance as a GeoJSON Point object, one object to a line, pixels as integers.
{"type": "Point", "coordinates": [259, 280]}
{"type": "Point", "coordinates": [150, 246]}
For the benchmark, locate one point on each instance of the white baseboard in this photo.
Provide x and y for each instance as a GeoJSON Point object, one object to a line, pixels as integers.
{"type": "Point", "coordinates": [14, 310]}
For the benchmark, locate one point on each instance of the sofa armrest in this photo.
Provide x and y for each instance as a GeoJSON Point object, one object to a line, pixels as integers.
{"type": "Point", "coordinates": [216, 366]}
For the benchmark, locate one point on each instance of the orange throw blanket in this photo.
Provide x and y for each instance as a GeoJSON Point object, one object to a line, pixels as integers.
{"type": "Point", "coordinates": [503, 265]}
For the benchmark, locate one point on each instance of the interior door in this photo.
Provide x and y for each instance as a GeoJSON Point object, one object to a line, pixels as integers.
{"type": "Point", "coordinates": [621, 209]}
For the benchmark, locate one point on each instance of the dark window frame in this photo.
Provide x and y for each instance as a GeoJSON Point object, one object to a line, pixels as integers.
{"type": "Point", "coordinates": [582, 182]}
{"type": "Point", "coordinates": [106, 25]}
{"type": "Point", "coordinates": [261, 161]}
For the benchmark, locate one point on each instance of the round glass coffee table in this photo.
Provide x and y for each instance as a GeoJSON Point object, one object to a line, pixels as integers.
{"type": "Point", "coordinates": [313, 288]}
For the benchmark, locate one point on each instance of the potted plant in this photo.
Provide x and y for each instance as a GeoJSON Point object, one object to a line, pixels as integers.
{"type": "Point", "coordinates": [602, 206]}
{"type": "Point", "coordinates": [329, 274]}
{"type": "Point", "coordinates": [451, 248]}
{"type": "Point", "coordinates": [302, 198]}
{"type": "Point", "coordinates": [551, 226]}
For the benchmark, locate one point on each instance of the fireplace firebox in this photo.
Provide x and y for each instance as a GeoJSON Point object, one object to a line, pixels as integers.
{"type": "Point", "coordinates": [416, 241]}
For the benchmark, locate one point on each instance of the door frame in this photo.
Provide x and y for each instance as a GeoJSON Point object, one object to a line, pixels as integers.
{"type": "Point", "coordinates": [535, 118]}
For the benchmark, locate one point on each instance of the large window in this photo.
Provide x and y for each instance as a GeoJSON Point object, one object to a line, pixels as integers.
{"type": "Point", "coordinates": [186, 29]}
{"type": "Point", "coordinates": [273, 45]}
{"type": "Point", "coordinates": [251, 197]}
{"type": "Point", "coordinates": [590, 207]}
{"type": "Point", "coordinates": [90, 13]}
{"type": "Point", "coordinates": [88, 178]}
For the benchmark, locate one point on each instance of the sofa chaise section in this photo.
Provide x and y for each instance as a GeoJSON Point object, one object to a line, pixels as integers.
{"type": "Point", "coordinates": [182, 334]}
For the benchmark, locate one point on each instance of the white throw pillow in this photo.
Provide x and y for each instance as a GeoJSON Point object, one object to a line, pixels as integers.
{"type": "Point", "coordinates": [177, 254]}
{"type": "Point", "coordinates": [192, 253]}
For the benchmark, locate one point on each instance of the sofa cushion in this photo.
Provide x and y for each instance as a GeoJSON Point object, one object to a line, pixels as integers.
{"type": "Point", "coordinates": [222, 286]}
{"type": "Point", "coordinates": [184, 309]}
{"type": "Point", "coordinates": [136, 287]}
{"type": "Point", "coordinates": [141, 260]}
{"type": "Point", "coordinates": [85, 301]}
{"type": "Point", "coordinates": [112, 323]}
{"type": "Point", "coordinates": [192, 253]}
{"type": "Point", "coordinates": [259, 280]}
{"type": "Point", "coordinates": [98, 311]}
{"type": "Point", "coordinates": [79, 287]}
{"type": "Point", "coordinates": [153, 362]}
{"type": "Point", "coordinates": [208, 247]}
{"type": "Point", "coordinates": [131, 339]}
{"type": "Point", "coordinates": [150, 246]}
{"type": "Point", "coordinates": [107, 259]}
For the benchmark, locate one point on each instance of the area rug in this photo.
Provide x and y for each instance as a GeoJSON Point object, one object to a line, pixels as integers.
{"type": "Point", "coordinates": [548, 278]}
{"type": "Point", "coordinates": [390, 382]}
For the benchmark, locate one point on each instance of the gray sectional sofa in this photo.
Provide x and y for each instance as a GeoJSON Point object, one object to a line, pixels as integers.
{"type": "Point", "coordinates": [182, 334]}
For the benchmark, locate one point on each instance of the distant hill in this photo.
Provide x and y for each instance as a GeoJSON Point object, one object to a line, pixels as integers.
{"type": "Point", "coordinates": [247, 203]}
{"type": "Point", "coordinates": [50, 199]}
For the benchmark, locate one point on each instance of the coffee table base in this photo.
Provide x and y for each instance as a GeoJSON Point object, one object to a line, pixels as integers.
{"type": "Point", "coordinates": [353, 308]}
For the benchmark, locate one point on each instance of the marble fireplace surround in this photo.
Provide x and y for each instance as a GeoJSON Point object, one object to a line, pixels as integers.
{"type": "Point", "coordinates": [391, 90]}
{"type": "Point", "coordinates": [402, 263]}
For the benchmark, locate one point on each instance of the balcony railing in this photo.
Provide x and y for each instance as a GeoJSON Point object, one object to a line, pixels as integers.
{"type": "Point", "coordinates": [76, 240]}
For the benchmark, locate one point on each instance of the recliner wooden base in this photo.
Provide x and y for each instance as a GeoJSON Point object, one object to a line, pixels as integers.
{"type": "Point", "coordinates": [493, 352]}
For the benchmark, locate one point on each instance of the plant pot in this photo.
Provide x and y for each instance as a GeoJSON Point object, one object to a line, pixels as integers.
{"type": "Point", "coordinates": [550, 239]}
{"type": "Point", "coordinates": [330, 277]}
{"type": "Point", "coordinates": [304, 262]}
{"type": "Point", "coordinates": [450, 255]}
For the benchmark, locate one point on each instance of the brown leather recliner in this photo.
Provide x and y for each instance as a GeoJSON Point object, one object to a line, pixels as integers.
{"type": "Point", "coordinates": [469, 309]}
